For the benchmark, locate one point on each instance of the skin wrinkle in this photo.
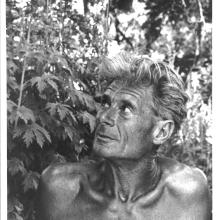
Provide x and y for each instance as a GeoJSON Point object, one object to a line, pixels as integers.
{"type": "Point", "coordinates": [119, 94]}
{"type": "Point", "coordinates": [137, 93]}
{"type": "Point", "coordinates": [128, 180]}
{"type": "Point", "coordinates": [126, 92]}
{"type": "Point", "coordinates": [152, 171]}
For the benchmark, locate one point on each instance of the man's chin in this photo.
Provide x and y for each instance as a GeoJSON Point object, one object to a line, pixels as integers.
{"type": "Point", "coordinates": [108, 149]}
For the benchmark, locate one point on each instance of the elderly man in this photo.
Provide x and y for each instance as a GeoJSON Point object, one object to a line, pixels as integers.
{"type": "Point", "coordinates": [141, 108]}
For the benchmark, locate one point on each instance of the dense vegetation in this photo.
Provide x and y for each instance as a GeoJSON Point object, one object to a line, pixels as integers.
{"type": "Point", "coordinates": [53, 49]}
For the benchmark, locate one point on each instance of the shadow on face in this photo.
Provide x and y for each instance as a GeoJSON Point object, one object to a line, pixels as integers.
{"type": "Point", "coordinates": [125, 122]}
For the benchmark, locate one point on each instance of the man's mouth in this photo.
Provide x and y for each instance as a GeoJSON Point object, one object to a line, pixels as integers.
{"type": "Point", "coordinates": [106, 134]}
{"type": "Point", "coordinates": [105, 137]}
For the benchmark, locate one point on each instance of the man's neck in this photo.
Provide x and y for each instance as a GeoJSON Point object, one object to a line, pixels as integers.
{"type": "Point", "coordinates": [134, 178]}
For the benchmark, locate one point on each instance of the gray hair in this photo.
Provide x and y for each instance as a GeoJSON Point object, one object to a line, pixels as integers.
{"type": "Point", "coordinates": [169, 96]}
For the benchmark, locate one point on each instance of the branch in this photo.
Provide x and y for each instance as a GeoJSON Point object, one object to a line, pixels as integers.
{"type": "Point", "coordinates": [106, 28]}
{"type": "Point", "coordinates": [23, 72]}
{"type": "Point", "coordinates": [122, 34]}
{"type": "Point", "coordinates": [202, 19]}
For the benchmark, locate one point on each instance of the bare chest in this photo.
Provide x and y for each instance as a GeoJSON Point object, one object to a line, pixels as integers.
{"type": "Point", "coordinates": [154, 206]}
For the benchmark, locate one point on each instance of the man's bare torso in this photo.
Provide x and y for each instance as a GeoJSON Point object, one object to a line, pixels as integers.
{"type": "Point", "coordinates": [87, 191]}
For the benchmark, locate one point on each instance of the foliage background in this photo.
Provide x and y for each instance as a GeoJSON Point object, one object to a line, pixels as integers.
{"type": "Point", "coordinates": [53, 48]}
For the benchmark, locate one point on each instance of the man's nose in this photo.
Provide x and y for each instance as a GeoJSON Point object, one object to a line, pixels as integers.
{"type": "Point", "coordinates": [108, 117]}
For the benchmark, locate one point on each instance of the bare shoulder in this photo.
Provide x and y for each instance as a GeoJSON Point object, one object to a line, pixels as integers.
{"type": "Point", "coordinates": [187, 184]}
{"type": "Point", "coordinates": [59, 187]}
{"type": "Point", "coordinates": [67, 175]}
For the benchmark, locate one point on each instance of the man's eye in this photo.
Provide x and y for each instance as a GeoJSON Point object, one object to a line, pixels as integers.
{"type": "Point", "coordinates": [126, 109]}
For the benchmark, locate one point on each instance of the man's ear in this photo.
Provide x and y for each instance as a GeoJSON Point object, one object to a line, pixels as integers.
{"type": "Point", "coordinates": [162, 131]}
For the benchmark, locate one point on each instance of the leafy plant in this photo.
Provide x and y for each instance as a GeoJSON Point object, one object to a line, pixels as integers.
{"type": "Point", "coordinates": [53, 51]}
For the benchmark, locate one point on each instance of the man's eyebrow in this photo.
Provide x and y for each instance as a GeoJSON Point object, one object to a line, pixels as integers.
{"type": "Point", "coordinates": [129, 102]}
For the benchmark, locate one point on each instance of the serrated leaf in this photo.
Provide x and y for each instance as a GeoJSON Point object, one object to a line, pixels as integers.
{"type": "Point", "coordinates": [53, 84]}
{"type": "Point", "coordinates": [69, 132]}
{"type": "Point", "coordinates": [15, 166]}
{"type": "Point", "coordinates": [89, 119]}
{"type": "Point", "coordinates": [40, 134]}
{"type": "Point", "coordinates": [72, 116]}
{"type": "Point", "coordinates": [50, 76]}
{"type": "Point", "coordinates": [73, 96]}
{"type": "Point", "coordinates": [62, 111]}
{"type": "Point", "coordinates": [18, 131]}
{"type": "Point", "coordinates": [86, 100]}
{"type": "Point", "coordinates": [31, 181]}
{"type": "Point", "coordinates": [52, 107]}
{"type": "Point", "coordinates": [39, 137]}
{"type": "Point", "coordinates": [80, 96]}
{"type": "Point", "coordinates": [44, 132]}
{"type": "Point", "coordinates": [26, 114]}
{"type": "Point", "coordinates": [28, 137]}
{"type": "Point", "coordinates": [40, 83]}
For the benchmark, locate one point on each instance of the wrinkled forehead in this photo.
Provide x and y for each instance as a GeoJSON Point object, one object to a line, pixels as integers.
{"type": "Point", "coordinates": [121, 89]}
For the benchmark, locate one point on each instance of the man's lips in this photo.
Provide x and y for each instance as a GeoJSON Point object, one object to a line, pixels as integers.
{"type": "Point", "coordinates": [104, 136]}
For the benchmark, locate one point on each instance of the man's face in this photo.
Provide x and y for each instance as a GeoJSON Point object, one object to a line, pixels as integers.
{"type": "Point", "coordinates": [125, 123]}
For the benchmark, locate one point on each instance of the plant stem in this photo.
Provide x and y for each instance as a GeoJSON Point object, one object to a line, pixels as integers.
{"type": "Point", "coordinates": [23, 73]}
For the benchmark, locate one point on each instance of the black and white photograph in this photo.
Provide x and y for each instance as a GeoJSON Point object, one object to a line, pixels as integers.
{"type": "Point", "coordinates": [108, 110]}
